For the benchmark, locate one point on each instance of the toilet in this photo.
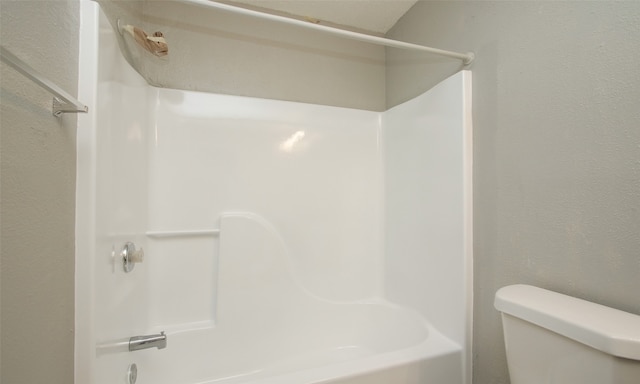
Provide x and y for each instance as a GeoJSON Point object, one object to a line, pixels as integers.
{"type": "Point", "coordinates": [551, 338]}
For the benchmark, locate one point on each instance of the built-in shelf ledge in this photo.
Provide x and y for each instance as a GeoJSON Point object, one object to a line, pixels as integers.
{"type": "Point", "coordinates": [191, 233]}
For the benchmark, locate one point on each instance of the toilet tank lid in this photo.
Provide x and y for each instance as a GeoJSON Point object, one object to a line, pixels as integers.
{"type": "Point", "coordinates": [607, 329]}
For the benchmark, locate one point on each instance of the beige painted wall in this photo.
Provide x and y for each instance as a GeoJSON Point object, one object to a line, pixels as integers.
{"type": "Point", "coordinates": [556, 142]}
{"type": "Point", "coordinates": [556, 152]}
{"type": "Point", "coordinates": [37, 191]}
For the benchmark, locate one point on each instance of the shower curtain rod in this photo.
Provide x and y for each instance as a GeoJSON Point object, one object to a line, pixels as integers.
{"type": "Point", "coordinates": [467, 58]}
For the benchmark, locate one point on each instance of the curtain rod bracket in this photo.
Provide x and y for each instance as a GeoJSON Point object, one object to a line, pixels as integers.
{"type": "Point", "coordinates": [469, 59]}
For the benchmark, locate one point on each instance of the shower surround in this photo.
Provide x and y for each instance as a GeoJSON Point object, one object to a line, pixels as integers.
{"type": "Point", "coordinates": [284, 242]}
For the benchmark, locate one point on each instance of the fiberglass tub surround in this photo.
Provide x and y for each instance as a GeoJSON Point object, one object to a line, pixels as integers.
{"type": "Point", "coordinates": [284, 242]}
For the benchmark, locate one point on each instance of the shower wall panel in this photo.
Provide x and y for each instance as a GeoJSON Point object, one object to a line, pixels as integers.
{"type": "Point", "coordinates": [112, 198]}
{"type": "Point", "coordinates": [312, 172]}
{"type": "Point", "coordinates": [428, 214]}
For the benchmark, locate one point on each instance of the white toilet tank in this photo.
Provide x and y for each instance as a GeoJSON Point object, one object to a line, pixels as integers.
{"type": "Point", "coordinates": [552, 338]}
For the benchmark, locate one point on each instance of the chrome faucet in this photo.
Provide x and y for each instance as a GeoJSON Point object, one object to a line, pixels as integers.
{"type": "Point", "coordinates": [137, 343]}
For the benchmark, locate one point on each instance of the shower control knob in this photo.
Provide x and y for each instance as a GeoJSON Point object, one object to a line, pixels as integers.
{"type": "Point", "coordinates": [131, 256]}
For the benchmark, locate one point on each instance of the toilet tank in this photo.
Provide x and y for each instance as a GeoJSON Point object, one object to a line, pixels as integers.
{"type": "Point", "coordinates": [559, 339]}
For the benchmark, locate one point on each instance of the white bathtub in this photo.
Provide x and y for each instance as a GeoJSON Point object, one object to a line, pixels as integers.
{"type": "Point", "coordinates": [347, 344]}
{"type": "Point", "coordinates": [360, 343]}
{"type": "Point", "coordinates": [269, 329]}
{"type": "Point", "coordinates": [285, 243]}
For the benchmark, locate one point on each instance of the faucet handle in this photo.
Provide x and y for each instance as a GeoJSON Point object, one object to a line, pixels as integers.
{"type": "Point", "coordinates": [131, 256]}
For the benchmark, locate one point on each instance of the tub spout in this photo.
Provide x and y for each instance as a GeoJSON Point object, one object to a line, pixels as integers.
{"type": "Point", "coordinates": [137, 343]}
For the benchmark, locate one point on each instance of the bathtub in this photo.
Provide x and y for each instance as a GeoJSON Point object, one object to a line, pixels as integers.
{"type": "Point", "coordinates": [367, 343]}
{"type": "Point", "coordinates": [361, 343]}
{"type": "Point", "coordinates": [270, 329]}
{"type": "Point", "coordinates": [277, 332]}
{"type": "Point", "coordinates": [285, 243]}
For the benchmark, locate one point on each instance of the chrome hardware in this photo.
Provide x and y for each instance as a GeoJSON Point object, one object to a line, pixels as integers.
{"type": "Point", "coordinates": [130, 256]}
{"type": "Point", "coordinates": [132, 374]}
{"type": "Point", "coordinates": [137, 343]}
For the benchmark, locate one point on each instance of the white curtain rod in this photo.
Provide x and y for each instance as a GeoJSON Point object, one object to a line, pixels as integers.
{"type": "Point", "coordinates": [467, 58]}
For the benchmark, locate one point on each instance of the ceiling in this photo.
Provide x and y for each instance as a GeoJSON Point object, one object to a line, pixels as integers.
{"type": "Point", "coordinates": [370, 15]}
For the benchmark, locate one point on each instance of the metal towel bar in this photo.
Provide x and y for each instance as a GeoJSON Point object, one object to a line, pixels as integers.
{"type": "Point", "coordinates": [62, 101]}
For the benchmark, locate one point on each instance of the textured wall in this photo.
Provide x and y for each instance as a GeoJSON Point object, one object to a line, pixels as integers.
{"type": "Point", "coordinates": [220, 52]}
{"type": "Point", "coordinates": [556, 146]}
{"type": "Point", "coordinates": [37, 154]}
